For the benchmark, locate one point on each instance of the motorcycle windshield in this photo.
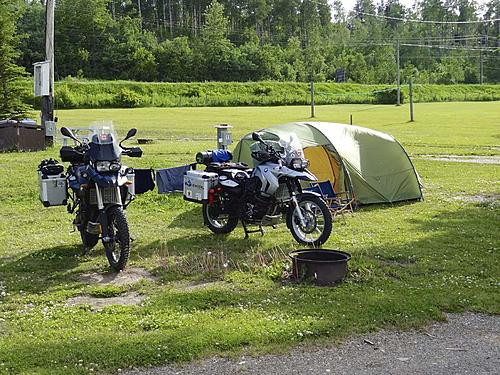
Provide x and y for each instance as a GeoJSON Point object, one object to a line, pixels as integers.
{"type": "Point", "coordinates": [104, 144]}
{"type": "Point", "coordinates": [292, 148]}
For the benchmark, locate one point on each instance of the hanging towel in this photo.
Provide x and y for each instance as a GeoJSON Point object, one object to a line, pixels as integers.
{"type": "Point", "coordinates": [169, 180]}
{"type": "Point", "coordinates": [144, 180]}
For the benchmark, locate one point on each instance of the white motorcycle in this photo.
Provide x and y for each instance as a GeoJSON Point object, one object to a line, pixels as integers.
{"type": "Point", "coordinates": [268, 194]}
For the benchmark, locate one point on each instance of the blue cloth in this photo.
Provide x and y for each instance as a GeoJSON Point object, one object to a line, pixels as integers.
{"type": "Point", "coordinates": [169, 180]}
{"type": "Point", "coordinates": [221, 156]}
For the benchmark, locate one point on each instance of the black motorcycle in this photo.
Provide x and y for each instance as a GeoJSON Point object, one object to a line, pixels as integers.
{"type": "Point", "coordinates": [100, 188]}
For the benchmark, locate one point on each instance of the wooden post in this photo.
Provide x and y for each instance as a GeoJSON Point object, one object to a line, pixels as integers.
{"type": "Point", "coordinates": [411, 101]}
{"type": "Point", "coordinates": [398, 101]}
{"type": "Point", "coordinates": [312, 99]}
{"type": "Point", "coordinates": [350, 119]}
{"type": "Point", "coordinates": [481, 66]}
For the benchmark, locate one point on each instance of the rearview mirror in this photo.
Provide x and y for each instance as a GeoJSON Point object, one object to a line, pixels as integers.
{"type": "Point", "coordinates": [130, 133]}
{"type": "Point", "coordinates": [68, 133]}
{"type": "Point", "coordinates": [257, 137]}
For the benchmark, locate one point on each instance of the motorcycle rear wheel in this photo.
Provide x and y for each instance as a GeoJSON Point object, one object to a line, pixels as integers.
{"type": "Point", "coordinates": [118, 250]}
{"type": "Point", "coordinates": [318, 221]}
{"type": "Point", "coordinates": [218, 224]}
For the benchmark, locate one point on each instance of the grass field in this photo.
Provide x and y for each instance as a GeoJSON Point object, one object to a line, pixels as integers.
{"type": "Point", "coordinates": [411, 261]}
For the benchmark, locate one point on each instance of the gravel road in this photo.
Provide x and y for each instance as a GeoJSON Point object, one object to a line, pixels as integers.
{"type": "Point", "coordinates": [466, 344]}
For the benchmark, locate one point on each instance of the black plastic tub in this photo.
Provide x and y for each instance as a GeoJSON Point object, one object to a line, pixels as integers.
{"type": "Point", "coordinates": [320, 266]}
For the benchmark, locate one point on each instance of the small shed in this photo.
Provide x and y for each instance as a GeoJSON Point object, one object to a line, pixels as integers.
{"type": "Point", "coordinates": [23, 135]}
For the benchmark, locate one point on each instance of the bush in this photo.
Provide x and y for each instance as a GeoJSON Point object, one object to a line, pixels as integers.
{"type": "Point", "coordinates": [128, 94]}
{"type": "Point", "coordinates": [64, 98]}
{"type": "Point", "coordinates": [128, 99]}
{"type": "Point", "coordinates": [388, 96]}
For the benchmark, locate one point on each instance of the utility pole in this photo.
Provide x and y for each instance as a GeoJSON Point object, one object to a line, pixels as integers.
{"type": "Point", "coordinates": [48, 101]}
{"type": "Point", "coordinates": [481, 60]}
{"type": "Point", "coordinates": [398, 99]}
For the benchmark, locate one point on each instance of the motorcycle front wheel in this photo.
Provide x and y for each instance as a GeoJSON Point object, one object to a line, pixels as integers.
{"type": "Point", "coordinates": [117, 250]}
{"type": "Point", "coordinates": [218, 223]}
{"type": "Point", "coordinates": [318, 221]}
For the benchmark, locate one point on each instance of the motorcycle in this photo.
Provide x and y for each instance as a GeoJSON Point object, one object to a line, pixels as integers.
{"type": "Point", "coordinates": [268, 194]}
{"type": "Point", "coordinates": [100, 190]}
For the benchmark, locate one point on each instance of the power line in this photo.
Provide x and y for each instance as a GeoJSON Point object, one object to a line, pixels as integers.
{"type": "Point", "coordinates": [448, 47]}
{"type": "Point", "coordinates": [427, 21]}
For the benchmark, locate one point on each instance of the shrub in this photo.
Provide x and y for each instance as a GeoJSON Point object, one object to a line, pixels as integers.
{"type": "Point", "coordinates": [64, 98]}
{"type": "Point", "coordinates": [128, 99]}
{"type": "Point", "coordinates": [388, 96]}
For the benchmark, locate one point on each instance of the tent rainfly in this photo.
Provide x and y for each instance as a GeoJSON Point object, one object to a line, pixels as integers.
{"type": "Point", "coordinates": [370, 165]}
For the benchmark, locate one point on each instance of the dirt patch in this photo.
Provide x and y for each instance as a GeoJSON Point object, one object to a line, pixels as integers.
{"type": "Point", "coordinates": [131, 299]}
{"type": "Point", "coordinates": [195, 285]}
{"type": "Point", "coordinates": [463, 158]}
{"type": "Point", "coordinates": [488, 199]}
{"type": "Point", "coordinates": [128, 277]}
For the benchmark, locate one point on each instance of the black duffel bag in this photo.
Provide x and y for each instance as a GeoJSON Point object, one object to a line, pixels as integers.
{"type": "Point", "coordinates": [50, 167]}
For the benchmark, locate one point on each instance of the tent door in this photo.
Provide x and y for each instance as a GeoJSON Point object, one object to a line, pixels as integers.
{"type": "Point", "coordinates": [323, 165]}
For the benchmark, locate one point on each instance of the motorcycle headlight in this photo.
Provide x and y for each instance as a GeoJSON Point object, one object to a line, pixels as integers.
{"type": "Point", "coordinates": [102, 166]}
{"type": "Point", "coordinates": [107, 166]}
{"type": "Point", "coordinates": [299, 163]}
{"type": "Point", "coordinates": [115, 166]}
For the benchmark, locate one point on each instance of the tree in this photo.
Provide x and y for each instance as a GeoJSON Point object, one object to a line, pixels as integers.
{"type": "Point", "coordinates": [215, 48]}
{"type": "Point", "coordinates": [11, 89]}
{"type": "Point", "coordinates": [175, 60]}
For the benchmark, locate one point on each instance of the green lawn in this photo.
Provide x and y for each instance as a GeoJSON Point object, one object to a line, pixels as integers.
{"type": "Point", "coordinates": [410, 261]}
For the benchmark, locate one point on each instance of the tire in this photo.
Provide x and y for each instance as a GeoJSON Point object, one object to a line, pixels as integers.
{"type": "Point", "coordinates": [118, 250]}
{"type": "Point", "coordinates": [218, 224]}
{"type": "Point", "coordinates": [318, 217]}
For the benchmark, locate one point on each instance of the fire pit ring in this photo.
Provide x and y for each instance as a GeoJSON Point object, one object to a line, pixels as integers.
{"type": "Point", "coordinates": [322, 267]}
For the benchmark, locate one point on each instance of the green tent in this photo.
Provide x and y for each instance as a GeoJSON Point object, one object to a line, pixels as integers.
{"type": "Point", "coordinates": [371, 166]}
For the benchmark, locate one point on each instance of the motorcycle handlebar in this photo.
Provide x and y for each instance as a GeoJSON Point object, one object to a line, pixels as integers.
{"type": "Point", "coordinates": [133, 152]}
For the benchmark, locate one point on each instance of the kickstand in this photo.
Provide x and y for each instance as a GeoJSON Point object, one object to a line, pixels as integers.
{"type": "Point", "coordinates": [247, 231]}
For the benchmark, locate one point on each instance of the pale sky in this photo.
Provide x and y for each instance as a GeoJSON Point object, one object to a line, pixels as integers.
{"type": "Point", "coordinates": [349, 4]}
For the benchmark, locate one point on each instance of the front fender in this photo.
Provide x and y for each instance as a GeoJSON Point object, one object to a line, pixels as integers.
{"type": "Point", "coordinates": [305, 192]}
{"type": "Point", "coordinates": [103, 180]}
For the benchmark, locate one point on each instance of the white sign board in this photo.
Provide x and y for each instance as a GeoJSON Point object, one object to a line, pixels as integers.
{"type": "Point", "coordinates": [41, 78]}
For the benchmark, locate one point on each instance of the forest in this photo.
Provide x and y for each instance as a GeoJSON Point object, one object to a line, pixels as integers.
{"type": "Point", "coordinates": [440, 41]}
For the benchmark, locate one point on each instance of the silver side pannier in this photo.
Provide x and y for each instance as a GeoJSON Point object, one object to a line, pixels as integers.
{"type": "Point", "coordinates": [53, 188]}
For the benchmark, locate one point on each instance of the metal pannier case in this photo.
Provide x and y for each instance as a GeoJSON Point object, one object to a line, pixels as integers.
{"type": "Point", "coordinates": [197, 183]}
{"type": "Point", "coordinates": [53, 189]}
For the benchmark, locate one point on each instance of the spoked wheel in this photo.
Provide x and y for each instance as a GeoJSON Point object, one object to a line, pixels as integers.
{"type": "Point", "coordinates": [317, 225]}
{"type": "Point", "coordinates": [118, 250]}
{"type": "Point", "coordinates": [219, 223]}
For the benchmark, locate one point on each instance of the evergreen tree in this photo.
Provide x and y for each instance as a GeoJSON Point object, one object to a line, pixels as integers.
{"type": "Point", "coordinates": [11, 92]}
